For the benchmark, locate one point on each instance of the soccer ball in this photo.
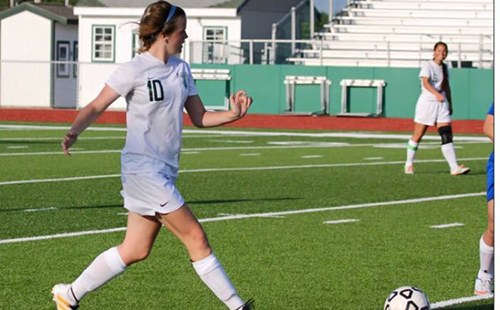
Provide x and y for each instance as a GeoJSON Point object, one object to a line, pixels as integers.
{"type": "Point", "coordinates": [407, 298]}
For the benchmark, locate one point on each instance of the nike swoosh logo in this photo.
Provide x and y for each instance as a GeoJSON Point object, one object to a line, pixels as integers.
{"type": "Point", "coordinates": [164, 204]}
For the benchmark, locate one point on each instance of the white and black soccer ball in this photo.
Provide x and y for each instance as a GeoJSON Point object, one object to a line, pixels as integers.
{"type": "Point", "coordinates": [407, 298]}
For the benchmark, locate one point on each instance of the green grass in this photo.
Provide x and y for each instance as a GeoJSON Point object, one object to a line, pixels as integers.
{"type": "Point", "coordinates": [290, 262]}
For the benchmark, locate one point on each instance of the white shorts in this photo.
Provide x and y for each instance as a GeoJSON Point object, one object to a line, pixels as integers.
{"type": "Point", "coordinates": [150, 193]}
{"type": "Point", "coordinates": [430, 112]}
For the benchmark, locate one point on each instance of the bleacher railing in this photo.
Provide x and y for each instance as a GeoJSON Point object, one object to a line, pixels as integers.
{"type": "Point", "coordinates": [323, 51]}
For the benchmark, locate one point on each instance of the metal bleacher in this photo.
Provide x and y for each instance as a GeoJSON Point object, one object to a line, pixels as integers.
{"type": "Point", "coordinates": [402, 33]}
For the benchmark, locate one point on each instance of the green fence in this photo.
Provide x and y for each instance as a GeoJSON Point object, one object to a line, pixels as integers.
{"type": "Point", "coordinates": [472, 89]}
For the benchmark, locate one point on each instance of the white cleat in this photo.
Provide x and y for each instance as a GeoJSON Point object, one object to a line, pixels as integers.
{"type": "Point", "coordinates": [483, 287]}
{"type": "Point", "coordinates": [61, 297]}
{"type": "Point", "coordinates": [460, 170]}
{"type": "Point", "coordinates": [409, 169]}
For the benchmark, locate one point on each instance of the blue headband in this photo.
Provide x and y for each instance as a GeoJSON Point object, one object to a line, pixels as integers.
{"type": "Point", "coordinates": [171, 13]}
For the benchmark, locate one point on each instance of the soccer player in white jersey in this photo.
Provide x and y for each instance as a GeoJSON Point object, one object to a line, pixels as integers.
{"type": "Point", "coordinates": [434, 107]}
{"type": "Point", "coordinates": [157, 86]}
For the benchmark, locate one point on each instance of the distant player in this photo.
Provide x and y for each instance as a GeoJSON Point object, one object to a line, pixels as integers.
{"type": "Point", "coordinates": [157, 86]}
{"type": "Point", "coordinates": [434, 107]}
{"type": "Point", "coordinates": [484, 279]}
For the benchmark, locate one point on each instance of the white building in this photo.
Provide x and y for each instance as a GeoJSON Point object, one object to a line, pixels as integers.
{"type": "Point", "coordinates": [37, 41]}
{"type": "Point", "coordinates": [107, 37]}
{"type": "Point", "coordinates": [32, 36]}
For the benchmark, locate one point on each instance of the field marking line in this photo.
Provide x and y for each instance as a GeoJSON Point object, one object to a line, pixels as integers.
{"type": "Point", "coordinates": [451, 302]}
{"type": "Point", "coordinates": [40, 209]}
{"type": "Point", "coordinates": [360, 135]}
{"type": "Point", "coordinates": [90, 177]}
{"type": "Point", "coordinates": [259, 215]}
{"type": "Point", "coordinates": [447, 225]}
{"type": "Point", "coordinates": [59, 138]}
{"type": "Point", "coordinates": [64, 235]}
{"type": "Point", "coordinates": [61, 153]}
{"type": "Point", "coordinates": [342, 221]}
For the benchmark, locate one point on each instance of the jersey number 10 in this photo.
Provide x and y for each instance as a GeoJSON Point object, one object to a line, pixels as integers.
{"type": "Point", "coordinates": [155, 90]}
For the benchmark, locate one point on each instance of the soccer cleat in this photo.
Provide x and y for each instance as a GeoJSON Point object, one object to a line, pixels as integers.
{"type": "Point", "coordinates": [409, 169]}
{"type": "Point", "coordinates": [460, 170]}
{"type": "Point", "coordinates": [248, 305]}
{"type": "Point", "coordinates": [61, 297]}
{"type": "Point", "coordinates": [483, 287]}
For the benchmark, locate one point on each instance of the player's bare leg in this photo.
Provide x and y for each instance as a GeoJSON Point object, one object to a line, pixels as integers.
{"type": "Point", "coordinates": [411, 150]}
{"type": "Point", "coordinates": [184, 225]}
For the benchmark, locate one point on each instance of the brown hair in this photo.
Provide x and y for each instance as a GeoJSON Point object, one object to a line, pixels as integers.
{"type": "Point", "coordinates": [445, 84]}
{"type": "Point", "coordinates": [153, 22]}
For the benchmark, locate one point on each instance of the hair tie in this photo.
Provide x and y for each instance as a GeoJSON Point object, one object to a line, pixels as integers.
{"type": "Point", "coordinates": [171, 13]}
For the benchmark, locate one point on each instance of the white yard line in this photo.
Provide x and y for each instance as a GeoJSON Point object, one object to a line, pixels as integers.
{"type": "Point", "coordinates": [227, 148]}
{"type": "Point", "coordinates": [41, 209]}
{"type": "Point", "coordinates": [260, 215]}
{"type": "Point", "coordinates": [447, 225]}
{"type": "Point", "coordinates": [59, 138]}
{"type": "Point", "coordinates": [311, 156]}
{"type": "Point", "coordinates": [263, 133]}
{"type": "Point", "coordinates": [12, 147]}
{"type": "Point", "coordinates": [451, 302]}
{"type": "Point", "coordinates": [341, 221]}
{"type": "Point", "coordinates": [104, 176]}
{"type": "Point", "coordinates": [60, 153]}
{"type": "Point", "coordinates": [373, 158]}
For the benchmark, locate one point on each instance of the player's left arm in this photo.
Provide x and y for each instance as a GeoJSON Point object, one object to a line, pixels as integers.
{"type": "Point", "coordinates": [240, 103]}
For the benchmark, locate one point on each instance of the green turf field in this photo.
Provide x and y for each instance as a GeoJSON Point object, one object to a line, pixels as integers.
{"type": "Point", "coordinates": [269, 202]}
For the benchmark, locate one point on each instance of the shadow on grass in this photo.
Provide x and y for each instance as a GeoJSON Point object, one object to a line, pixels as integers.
{"type": "Point", "coordinates": [194, 202]}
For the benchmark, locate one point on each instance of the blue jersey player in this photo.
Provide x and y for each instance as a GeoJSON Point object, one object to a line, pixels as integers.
{"type": "Point", "coordinates": [484, 280]}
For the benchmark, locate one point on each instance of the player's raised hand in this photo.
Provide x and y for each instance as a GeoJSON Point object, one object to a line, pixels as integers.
{"type": "Point", "coordinates": [68, 140]}
{"type": "Point", "coordinates": [240, 103]}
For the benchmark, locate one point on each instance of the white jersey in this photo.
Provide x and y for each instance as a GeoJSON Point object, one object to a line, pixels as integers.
{"type": "Point", "coordinates": [429, 110]}
{"type": "Point", "coordinates": [155, 93]}
{"type": "Point", "coordinates": [434, 72]}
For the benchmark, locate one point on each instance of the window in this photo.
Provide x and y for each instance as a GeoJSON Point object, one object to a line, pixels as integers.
{"type": "Point", "coordinates": [214, 52]}
{"type": "Point", "coordinates": [62, 57]}
{"type": "Point", "coordinates": [103, 43]}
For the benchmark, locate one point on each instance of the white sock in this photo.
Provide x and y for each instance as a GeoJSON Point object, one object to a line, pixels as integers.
{"type": "Point", "coordinates": [213, 275]}
{"type": "Point", "coordinates": [105, 267]}
{"type": "Point", "coordinates": [411, 152]}
{"type": "Point", "coordinates": [449, 153]}
{"type": "Point", "coordinates": [486, 260]}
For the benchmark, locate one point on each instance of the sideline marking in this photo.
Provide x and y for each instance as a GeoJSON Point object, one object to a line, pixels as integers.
{"type": "Point", "coordinates": [447, 225]}
{"type": "Point", "coordinates": [451, 302]}
{"type": "Point", "coordinates": [373, 158]}
{"type": "Point", "coordinates": [91, 177]}
{"type": "Point", "coordinates": [341, 221]}
{"type": "Point", "coordinates": [259, 215]}
{"type": "Point", "coordinates": [250, 154]}
{"type": "Point", "coordinates": [263, 133]}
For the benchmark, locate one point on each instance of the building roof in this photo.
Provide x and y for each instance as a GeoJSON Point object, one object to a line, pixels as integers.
{"type": "Point", "coordinates": [145, 3]}
{"type": "Point", "coordinates": [56, 12]}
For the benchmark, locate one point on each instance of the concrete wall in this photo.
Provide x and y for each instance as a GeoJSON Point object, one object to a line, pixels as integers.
{"type": "Point", "coordinates": [472, 89]}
